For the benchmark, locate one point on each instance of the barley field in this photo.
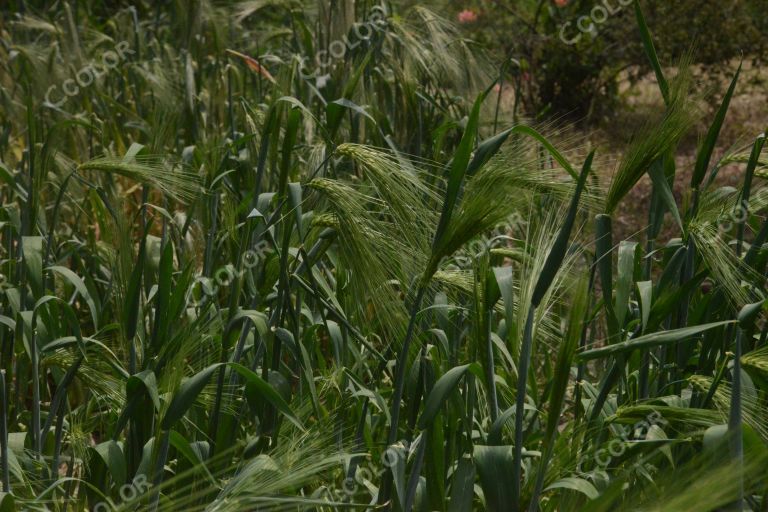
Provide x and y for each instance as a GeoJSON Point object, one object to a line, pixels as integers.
{"type": "Point", "coordinates": [321, 255]}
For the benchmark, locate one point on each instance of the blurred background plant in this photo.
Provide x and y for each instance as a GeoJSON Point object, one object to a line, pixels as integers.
{"type": "Point", "coordinates": [570, 57]}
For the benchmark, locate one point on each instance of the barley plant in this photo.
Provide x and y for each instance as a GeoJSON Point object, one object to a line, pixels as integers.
{"type": "Point", "coordinates": [288, 254]}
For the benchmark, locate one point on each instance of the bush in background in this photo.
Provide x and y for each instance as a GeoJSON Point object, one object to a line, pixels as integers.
{"type": "Point", "coordinates": [566, 57]}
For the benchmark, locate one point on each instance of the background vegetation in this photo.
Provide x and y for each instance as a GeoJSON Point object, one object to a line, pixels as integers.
{"type": "Point", "coordinates": [571, 57]}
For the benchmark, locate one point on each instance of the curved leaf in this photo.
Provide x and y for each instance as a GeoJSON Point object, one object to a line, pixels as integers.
{"type": "Point", "coordinates": [442, 390]}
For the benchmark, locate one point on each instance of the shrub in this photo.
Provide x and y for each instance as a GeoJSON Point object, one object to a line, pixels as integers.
{"type": "Point", "coordinates": [575, 71]}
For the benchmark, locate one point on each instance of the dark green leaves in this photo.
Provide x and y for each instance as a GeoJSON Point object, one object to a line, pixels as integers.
{"type": "Point", "coordinates": [708, 145]}
{"type": "Point", "coordinates": [443, 388]}
{"type": "Point", "coordinates": [81, 288]}
{"type": "Point", "coordinates": [463, 486]}
{"type": "Point", "coordinates": [7, 502]}
{"type": "Point", "coordinates": [494, 465]}
{"type": "Point", "coordinates": [749, 313]}
{"type": "Point", "coordinates": [576, 484]}
{"type": "Point", "coordinates": [560, 247]}
{"type": "Point", "coordinates": [186, 395]}
{"type": "Point", "coordinates": [143, 383]}
{"type": "Point", "coordinates": [485, 151]}
{"type": "Point", "coordinates": [458, 168]}
{"type": "Point", "coordinates": [267, 392]}
{"type": "Point", "coordinates": [113, 459]}
{"type": "Point", "coordinates": [656, 172]}
{"type": "Point", "coordinates": [650, 52]}
{"type": "Point", "coordinates": [189, 390]}
{"type": "Point", "coordinates": [651, 340]}
{"type": "Point", "coordinates": [133, 294]}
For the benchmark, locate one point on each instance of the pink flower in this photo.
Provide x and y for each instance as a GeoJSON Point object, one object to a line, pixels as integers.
{"type": "Point", "coordinates": [467, 16]}
{"type": "Point", "coordinates": [561, 3]}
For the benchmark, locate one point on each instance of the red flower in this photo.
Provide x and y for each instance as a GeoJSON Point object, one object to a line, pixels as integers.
{"type": "Point", "coordinates": [467, 16]}
{"type": "Point", "coordinates": [561, 3]}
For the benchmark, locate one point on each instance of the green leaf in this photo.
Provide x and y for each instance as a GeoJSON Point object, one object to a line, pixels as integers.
{"type": "Point", "coordinates": [485, 151]}
{"type": "Point", "coordinates": [184, 448]}
{"type": "Point", "coordinates": [462, 486]}
{"type": "Point", "coordinates": [626, 269]}
{"type": "Point", "coordinates": [749, 313]}
{"type": "Point", "coordinates": [267, 392]}
{"type": "Point", "coordinates": [604, 262]}
{"type": "Point", "coordinates": [442, 390]}
{"type": "Point", "coordinates": [335, 110]}
{"type": "Point", "coordinates": [496, 430]}
{"type": "Point", "coordinates": [560, 379]}
{"type": "Point", "coordinates": [334, 331]}
{"type": "Point", "coordinates": [560, 247]}
{"type": "Point", "coordinates": [714, 437]}
{"type": "Point", "coordinates": [659, 179]}
{"type": "Point", "coordinates": [63, 308]}
{"type": "Point", "coordinates": [110, 453]}
{"type": "Point", "coordinates": [133, 152]}
{"type": "Point", "coordinates": [133, 294]}
{"type": "Point", "coordinates": [163, 296]}
{"type": "Point", "coordinates": [650, 340]}
{"type": "Point", "coordinates": [186, 396]}
{"type": "Point", "coordinates": [576, 484]}
{"type": "Point", "coordinates": [294, 200]}
{"type": "Point", "coordinates": [559, 158]}
{"type": "Point", "coordinates": [7, 503]}
{"type": "Point", "coordinates": [494, 465]}
{"type": "Point", "coordinates": [458, 168]}
{"type": "Point", "coordinates": [8, 322]}
{"type": "Point", "coordinates": [645, 293]}
{"type": "Point", "coordinates": [708, 145]}
{"type": "Point", "coordinates": [650, 52]}
{"type": "Point", "coordinates": [143, 382]}
{"type": "Point", "coordinates": [82, 289]}
{"type": "Point", "coordinates": [289, 142]}
{"type": "Point", "coordinates": [8, 177]}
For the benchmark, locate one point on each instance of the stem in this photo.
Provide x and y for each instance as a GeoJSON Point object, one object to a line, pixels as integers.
{"type": "Point", "coordinates": [583, 343]}
{"type": "Point", "coordinates": [490, 368]}
{"type": "Point", "coordinates": [162, 455]}
{"type": "Point", "coordinates": [603, 256]}
{"type": "Point", "coordinates": [4, 469]}
{"type": "Point", "coordinates": [522, 379]}
{"type": "Point", "coordinates": [402, 360]}
{"type": "Point", "coordinates": [734, 420]}
{"type": "Point", "coordinates": [35, 395]}
{"type": "Point", "coordinates": [59, 432]}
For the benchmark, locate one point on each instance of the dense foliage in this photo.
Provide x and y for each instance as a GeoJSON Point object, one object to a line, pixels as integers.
{"type": "Point", "coordinates": [569, 57]}
{"type": "Point", "coordinates": [287, 255]}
